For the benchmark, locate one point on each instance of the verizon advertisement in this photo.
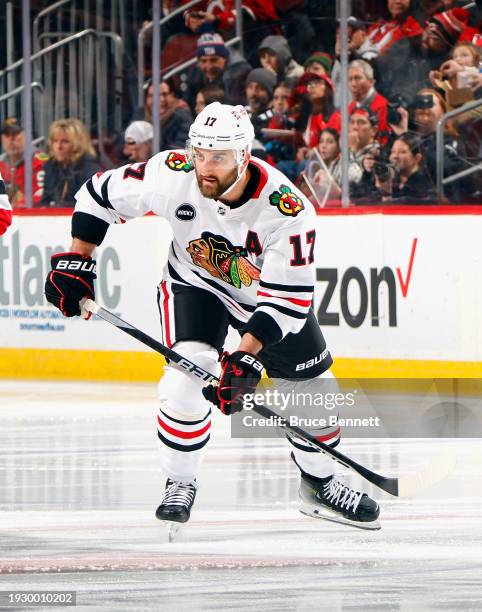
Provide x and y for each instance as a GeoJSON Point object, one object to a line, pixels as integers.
{"type": "Point", "coordinates": [400, 287]}
{"type": "Point", "coordinates": [388, 286]}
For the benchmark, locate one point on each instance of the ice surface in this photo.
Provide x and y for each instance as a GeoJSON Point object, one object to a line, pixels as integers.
{"type": "Point", "coordinates": [80, 481]}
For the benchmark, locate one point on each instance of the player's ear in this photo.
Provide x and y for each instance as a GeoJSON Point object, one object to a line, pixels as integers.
{"type": "Point", "coordinates": [247, 157]}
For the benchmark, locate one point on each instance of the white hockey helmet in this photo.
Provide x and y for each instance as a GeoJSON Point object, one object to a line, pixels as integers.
{"type": "Point", "coordinates": [219, 127]}
{"type": "Point", "coordinates": [222, 126]}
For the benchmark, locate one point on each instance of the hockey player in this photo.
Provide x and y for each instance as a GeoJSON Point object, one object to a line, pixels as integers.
{"type": "Point", "coordinates": [242, 255]}
{"type": "Point", "coordinates": [5, 208]}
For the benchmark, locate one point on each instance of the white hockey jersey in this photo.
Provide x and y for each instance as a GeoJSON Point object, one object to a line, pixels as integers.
{"type": "Point", "coordinates": [257, 258]}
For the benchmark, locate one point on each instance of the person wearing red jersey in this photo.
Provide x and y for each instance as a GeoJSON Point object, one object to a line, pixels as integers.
{"type": "Point", "coordinates": [5, 208]}
{"type": "Point", "coordinates": [361, 82]}
{"type": "Point", "coordinates": [12, 165]}
{"type": "Point", "coordinates": [401, 26]}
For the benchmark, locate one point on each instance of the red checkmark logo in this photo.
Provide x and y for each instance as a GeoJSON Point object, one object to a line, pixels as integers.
{"type": "Point", "coordinates": [405, 283]}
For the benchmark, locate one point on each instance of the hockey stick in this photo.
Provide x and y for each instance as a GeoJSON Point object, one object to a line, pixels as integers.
{"type": "Point", "coordinates": [390, 485]}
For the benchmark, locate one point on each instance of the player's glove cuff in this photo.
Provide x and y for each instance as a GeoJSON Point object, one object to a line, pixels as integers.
{"type": "Point", "coordinates": [241, 374]}
{"type": "Point", "coordinates": [71, 279]}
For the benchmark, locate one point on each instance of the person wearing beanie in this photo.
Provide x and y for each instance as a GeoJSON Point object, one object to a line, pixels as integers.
{"type": "Point", "coordinates": [322, 112]}
{"type": "Point", "coordinates": [444, 29]}
{"type": "Point", "coordinates": [275, 55]}
{"type": "Point", "coordinates": [260, 86]}
{"type": "Point", "coordinates": [265, 79]}
{"type": "Point", "coordinates": [216, 65]}
{"type": "Point", "coordinates": [319, 63]}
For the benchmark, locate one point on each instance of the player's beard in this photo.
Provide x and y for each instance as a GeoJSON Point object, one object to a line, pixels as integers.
{"type": "Point", "coordinates": [216, 188]}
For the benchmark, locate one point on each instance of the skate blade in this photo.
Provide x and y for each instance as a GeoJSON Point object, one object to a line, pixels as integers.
{"type": "Point", "coordinates": [336, 518]}
{"type": "Point", "coordinates": [173, 529]}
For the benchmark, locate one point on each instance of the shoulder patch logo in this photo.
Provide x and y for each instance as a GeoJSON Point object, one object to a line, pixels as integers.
{"type": "Point", "coordinates": [177, 162]}
{"type": "Point", "coordinates": [288, 203]}
{"type": "Point", "coordinates": [185, 212]}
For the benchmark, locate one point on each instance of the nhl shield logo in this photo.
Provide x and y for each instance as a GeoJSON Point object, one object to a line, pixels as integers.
{"type": "Point", "coordinates": [185, 212]}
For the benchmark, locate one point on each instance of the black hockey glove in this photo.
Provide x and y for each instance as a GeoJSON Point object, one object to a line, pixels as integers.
{"type": "Point", "coordinates": [241, 373]}
{"type": "Point", "coordinates": [71, 279]}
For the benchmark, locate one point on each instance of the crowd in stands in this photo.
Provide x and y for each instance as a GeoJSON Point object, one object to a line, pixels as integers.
{"type": "Point", "coordinates": [405, 72]}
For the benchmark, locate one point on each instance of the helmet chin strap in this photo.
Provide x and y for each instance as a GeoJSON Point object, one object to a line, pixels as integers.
{"type": "Point", "coordinates": [241, 171]}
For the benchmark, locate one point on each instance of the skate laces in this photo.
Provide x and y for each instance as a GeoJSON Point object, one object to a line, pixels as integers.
{"type": "Point", "coordinates": [179, 493]}
{"type": "Point", "coordinates": [341, 495]}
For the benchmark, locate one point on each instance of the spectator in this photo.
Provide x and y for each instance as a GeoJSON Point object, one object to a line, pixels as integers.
{"type": "Point", "coordinates": [275, 55]}
{"type": "Point", "coordinates": [400, 27]}
{"type": "Point", "coordinates": [206, 95]}
{"type": "Point", "coordinates": [461, 81]}
{"type": "Point", "coordinates": [429, 107]}
{"type": "Point", "coordinates": [329, 151]}
{"type": "Point", "coordinates": [320, 108]}
{"type": "Point", "coordinates": [12, 165]}
{"type": "Point", "coordinates": [260, 86]}
{"type": "Point", "coordinates": [361, 134]}
{"type": "Point", "coordinates": [319, 63]}
{"type": "Point", "coordinates": [361, 83]}
{"type": "Point", "coordinates": [406, 179]}
{"type": "Point", "coordinates": [281, 145]}
{"type": "Point", "coordinates": [397, 40]}
{"type": "Point", "coordinates": [5, 208]}
{"type": "Point", "coordinates": [444, 29]}
{"type": "Point", "coordinates": [259, 17]}
{"type": "Point", "coordinates": [175, 115]}
{"type": "Point", "coordinates": [138, 141]}
{"type": "Point", "coordinates": [217, 65]}
{"type": "Point", "coordinates": [461, 72]}
{"type": "Point", "coordinates": [359, 47]}
{"type": "Point", "coordinates": [71, 162]}
{"type": "Point", "coordinates": [281, 105]}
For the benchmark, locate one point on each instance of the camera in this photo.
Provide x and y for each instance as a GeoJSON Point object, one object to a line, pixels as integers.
{"type": "Point", "coordinates": [423, 101]}
{"type": "Point", "coordinates": [383, 171]}
{"type": "Point", "coordinates": [393, 116]}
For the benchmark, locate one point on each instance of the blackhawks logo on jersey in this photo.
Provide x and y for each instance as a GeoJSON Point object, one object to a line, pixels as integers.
{"type": "Point", "coordinates": [176, 161]}
{"type": "Point", "coordinates": [222, 260]}
{"type": "Point", "coordinates": [287, 202]}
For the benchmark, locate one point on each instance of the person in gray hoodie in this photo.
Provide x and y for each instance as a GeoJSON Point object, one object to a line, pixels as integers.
{"type": "Point", "coordinates": [275, 55]}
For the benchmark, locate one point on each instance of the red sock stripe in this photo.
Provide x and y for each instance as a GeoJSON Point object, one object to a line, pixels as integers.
{"type": "Point", "coordinates": [187, 435]}
{"type": "Point", "coordinates": [330, 436]}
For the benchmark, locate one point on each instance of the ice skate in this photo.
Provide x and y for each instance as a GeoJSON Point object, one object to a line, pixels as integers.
{"type": "Point", "coordinates": [330, 499]}
{"type": "Point", "coordinates": [176, 505]}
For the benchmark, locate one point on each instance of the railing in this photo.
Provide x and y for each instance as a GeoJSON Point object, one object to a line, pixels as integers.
{"type": "Point", "coordinates": [141, 82]}
{"type": "Point", "coordinates": [16, 92]}
{"type": "Point", "coordinates": [82, 74]}
{"type": "Point", "coordinates": [141, 44]}
{"type": "Point", "coordinates": [440, 158]}
{"type": "Point", "coordinates": [36, 22]}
